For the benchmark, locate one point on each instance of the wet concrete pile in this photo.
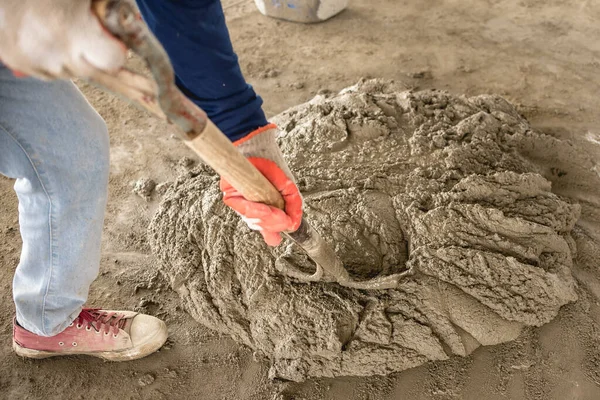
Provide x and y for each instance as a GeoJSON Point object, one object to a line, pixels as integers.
{"type": "Point", "coordinates": [394, 180]}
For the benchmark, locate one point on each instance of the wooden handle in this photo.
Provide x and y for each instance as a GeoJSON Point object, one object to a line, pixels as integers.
{"type": "Point", "coordinates": [222, 156]}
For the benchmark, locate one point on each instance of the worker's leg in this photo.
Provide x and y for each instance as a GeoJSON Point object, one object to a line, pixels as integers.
{"type": "Point", "coordinates": [195, 36]}
{"type": "Point", "coordinates": [56, 147]}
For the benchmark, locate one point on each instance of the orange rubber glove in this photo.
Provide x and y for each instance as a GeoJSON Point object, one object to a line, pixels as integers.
{"type": "Point", "coordinates": [262, 151]}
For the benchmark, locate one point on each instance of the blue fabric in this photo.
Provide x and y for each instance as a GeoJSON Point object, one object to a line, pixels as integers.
{"type": "Point", "coordinates": [194, 34]}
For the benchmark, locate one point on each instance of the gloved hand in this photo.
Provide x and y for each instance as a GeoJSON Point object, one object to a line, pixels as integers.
{"type": "Point", "coordinates": [262, 151]}
{"type": "Point", "coordinates": [52, 39]}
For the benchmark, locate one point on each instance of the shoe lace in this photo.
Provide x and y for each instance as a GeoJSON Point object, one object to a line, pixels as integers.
{"type": "Point", "coordinates": [101, 321]}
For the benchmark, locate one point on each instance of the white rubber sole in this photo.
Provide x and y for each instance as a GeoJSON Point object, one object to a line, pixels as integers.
{"type": "Point", "coordinates": [150, 346]}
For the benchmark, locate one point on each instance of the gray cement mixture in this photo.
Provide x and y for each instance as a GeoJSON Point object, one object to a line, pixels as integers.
{"type": "Point", "coordinates": [394, 180]}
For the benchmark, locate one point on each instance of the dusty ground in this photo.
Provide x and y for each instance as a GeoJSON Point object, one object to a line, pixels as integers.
{"type": "Point", "coordinates": [542, 55]}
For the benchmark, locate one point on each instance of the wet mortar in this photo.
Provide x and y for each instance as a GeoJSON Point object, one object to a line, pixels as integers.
{"type": "Point", "coordinates": [395, 180]}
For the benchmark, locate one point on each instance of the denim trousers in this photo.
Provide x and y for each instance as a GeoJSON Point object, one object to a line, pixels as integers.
{"type": "Point", "coordinates": [56, 146]}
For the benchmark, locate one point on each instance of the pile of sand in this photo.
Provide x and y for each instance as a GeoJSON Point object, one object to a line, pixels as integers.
{"type": "Point", "coordinates": [394, 180]}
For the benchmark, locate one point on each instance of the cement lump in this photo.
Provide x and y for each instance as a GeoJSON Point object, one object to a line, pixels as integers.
{"type": "Point", "coordinates": [394, 180]}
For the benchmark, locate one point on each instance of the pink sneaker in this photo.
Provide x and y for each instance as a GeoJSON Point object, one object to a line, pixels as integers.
{"type": "Point", "coordinates": [111, 335]}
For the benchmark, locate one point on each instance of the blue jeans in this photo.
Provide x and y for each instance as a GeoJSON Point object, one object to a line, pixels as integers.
{"type": "Point", "coordinates": [56, 147]}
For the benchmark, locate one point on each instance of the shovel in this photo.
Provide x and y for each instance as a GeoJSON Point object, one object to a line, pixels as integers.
{"type": "Point", "coordinates": [161, 97]}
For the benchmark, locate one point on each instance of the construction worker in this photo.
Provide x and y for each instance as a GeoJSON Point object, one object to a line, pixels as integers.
{"type": "Point", "coordinates": [56, 146]}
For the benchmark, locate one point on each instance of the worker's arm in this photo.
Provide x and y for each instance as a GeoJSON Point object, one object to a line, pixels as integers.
{"type": "Point", "coordinates": [56, 39]}
{"type": "Point", "coordinates": [194, 34]}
